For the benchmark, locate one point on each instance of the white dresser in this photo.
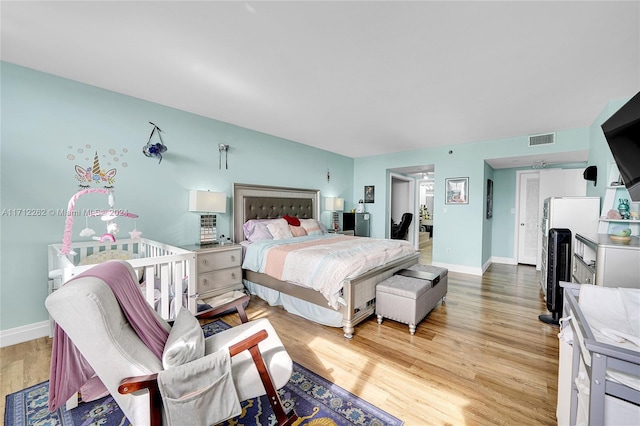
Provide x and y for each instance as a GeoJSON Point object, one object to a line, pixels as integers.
{"type": "Point", "coordinates": [602, 261]}
{"type": "Point", "coordinates": [218, 268]}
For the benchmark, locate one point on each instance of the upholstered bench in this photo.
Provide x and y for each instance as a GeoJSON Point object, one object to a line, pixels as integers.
{"type": "Point", "coordinates": [410, 294]}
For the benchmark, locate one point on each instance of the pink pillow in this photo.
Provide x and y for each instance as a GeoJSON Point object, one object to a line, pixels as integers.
{"type": "Point", "coordinates": [311, 226]}
{"type": "Point", "coordinates": [297, 231]}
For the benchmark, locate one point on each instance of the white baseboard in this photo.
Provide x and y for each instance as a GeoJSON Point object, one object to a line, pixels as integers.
{"type": "Point", "coordinates": [460, 268]}
{"type": "Point", "coordinates": [486, 266]}
{"type": "Point", "coordinates": [24, 333]}
{"type": "Point", "coordinates": [505, 260]}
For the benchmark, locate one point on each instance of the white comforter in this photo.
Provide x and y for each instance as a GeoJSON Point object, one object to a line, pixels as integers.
{"type": "Point", "coordinates": [322, 262]}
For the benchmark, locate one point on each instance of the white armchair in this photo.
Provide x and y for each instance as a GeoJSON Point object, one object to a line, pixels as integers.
{"type": "Point", "coordinates": [87, 310]}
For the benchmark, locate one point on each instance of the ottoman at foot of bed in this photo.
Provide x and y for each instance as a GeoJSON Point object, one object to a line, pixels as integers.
{"type": "Point", "coordinates": [411, 294]}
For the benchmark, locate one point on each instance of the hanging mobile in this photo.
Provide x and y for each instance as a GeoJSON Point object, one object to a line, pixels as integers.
{"type": "Point", "coordinates": [154, 149]}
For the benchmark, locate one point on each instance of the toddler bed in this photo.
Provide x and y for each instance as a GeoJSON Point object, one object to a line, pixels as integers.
{"type": "Point", "coordinates": [351, 298]}
{"type": "Point", "coordinates": [165, 267]}
{"type": "Point", "coordinates": [603, 326]}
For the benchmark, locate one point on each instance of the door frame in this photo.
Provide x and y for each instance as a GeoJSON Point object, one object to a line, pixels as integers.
{"type": "Point", "coordinates": [411, 206]}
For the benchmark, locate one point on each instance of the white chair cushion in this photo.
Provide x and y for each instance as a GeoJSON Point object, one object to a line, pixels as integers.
{"type": "Point", "coordinates": [244, 372]}
{"type": "Point", "coordinates": [185, 342]}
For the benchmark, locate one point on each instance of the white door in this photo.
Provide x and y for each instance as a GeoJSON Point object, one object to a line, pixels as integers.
{"type": "Point", "coordinates": [528, 220]}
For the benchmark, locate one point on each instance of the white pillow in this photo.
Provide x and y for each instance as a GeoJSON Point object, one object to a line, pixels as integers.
{"type": "Point", "coordinates": [311, 226]}
{"type": "Point", "coordinates": [185, 342]}
{"type": "Point", "coordinates": [279, 228]}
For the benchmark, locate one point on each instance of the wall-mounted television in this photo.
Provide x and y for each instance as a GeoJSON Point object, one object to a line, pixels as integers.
{"type": "Point", "coordinates": [622, 131]}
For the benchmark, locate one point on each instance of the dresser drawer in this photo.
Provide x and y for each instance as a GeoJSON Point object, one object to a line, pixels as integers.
{"type": "Point", "coordinates": [219, 259]}
{"type": "Point", "coordinates": [216, 280]}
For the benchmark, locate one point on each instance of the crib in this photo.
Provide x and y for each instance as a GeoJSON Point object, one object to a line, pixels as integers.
{"type": "Point", "coordinates": [163, 270]}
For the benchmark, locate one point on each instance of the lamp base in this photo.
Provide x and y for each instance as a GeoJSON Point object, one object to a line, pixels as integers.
{"type": "Point", "coordinates": [208, 235]}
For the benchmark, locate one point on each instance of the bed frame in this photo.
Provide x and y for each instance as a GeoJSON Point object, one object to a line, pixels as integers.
{"type": "Point", "coordinates": [164, 265]}
{"type": "Point", "coordinates": [268, 202]}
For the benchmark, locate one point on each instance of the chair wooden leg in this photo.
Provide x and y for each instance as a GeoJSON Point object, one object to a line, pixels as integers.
{"type": "Point", "coordinates": [272, 393]}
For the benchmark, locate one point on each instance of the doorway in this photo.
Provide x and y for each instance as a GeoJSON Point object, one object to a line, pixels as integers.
{"type": "Point", "coordinates": [402, 200]}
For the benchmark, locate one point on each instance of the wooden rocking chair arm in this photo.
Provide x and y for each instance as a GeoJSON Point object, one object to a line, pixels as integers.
{"type": "Point", "coordinates": [248, 342]}
{"type": "Point", "coordinates": [134, 384]}
{"type": "Point", "coordinates": [237, 303]}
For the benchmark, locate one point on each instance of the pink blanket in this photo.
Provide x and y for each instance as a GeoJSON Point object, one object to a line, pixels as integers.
{"type": "Point", "coordinates": [70, 372]}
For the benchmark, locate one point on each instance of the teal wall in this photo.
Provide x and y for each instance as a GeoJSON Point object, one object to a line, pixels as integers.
{"type": "Point", "coordinates": [47, 119]}
{"type": "Point", "coordinates": [461, 232]}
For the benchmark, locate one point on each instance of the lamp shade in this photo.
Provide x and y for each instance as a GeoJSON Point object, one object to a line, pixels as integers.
{"type": "Point", "coordinates": [333, 204]}
{"type": "Point", "coordinates": [205, 201]}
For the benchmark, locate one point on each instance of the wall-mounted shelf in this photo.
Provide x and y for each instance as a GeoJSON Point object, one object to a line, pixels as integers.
{"type": "Point", "coordinates": [610, 202]}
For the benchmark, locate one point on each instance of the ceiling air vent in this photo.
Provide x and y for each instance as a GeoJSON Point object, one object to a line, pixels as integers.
{"type": "Point", "coordinates": [545, 139]}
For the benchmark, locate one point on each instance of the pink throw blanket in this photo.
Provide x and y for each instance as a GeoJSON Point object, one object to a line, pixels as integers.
{"type": "Point", "coordinates": [70, 372]}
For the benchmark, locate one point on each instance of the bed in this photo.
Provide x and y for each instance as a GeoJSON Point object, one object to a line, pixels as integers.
{"type": "Point", "coordinates": [166, 267]}
{"type": "Point", "coordinates": [602, 368]}
{"type": "Point", "coordinates": [356, 292]}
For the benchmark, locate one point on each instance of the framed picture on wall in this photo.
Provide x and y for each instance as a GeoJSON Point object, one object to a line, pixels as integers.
{"type": "Point", "coordinates": [456, 190]}
{"type": "Point", "coordinates": [489, 198]}
{"type": "Point", "coordinates": [369, 194]}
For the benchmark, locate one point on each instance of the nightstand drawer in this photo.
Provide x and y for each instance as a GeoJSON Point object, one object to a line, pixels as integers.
{"type": "Point", "coordinates": [217, 280]}
{"type": "Point", "coordinates": [220, 259]}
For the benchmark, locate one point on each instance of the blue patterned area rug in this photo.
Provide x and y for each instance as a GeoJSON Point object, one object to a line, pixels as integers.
{"type": "Point", "coordinates": [316, 401]}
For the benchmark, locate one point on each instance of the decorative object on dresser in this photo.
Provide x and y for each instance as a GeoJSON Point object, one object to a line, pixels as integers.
{"type": "Point", "coordinates": [206, 202]}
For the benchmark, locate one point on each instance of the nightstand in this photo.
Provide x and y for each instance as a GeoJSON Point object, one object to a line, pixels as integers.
{"type": "Point", "coordinates": [218, 269]}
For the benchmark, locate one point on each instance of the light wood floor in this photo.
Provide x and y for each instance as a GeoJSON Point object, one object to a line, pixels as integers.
{"type": "Point", "coordinates": [483, 358]}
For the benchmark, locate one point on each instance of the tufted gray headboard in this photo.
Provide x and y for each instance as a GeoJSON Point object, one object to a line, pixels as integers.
{"type": "Point", "coordinates": [271, 202]}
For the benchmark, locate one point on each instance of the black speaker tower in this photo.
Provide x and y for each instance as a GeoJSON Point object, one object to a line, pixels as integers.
{"type": "Point", "coordinates": [558, 269]}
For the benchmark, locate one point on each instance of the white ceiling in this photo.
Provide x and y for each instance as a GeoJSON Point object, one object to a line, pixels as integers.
{"type": "Point", "coordinates": [357, 78]}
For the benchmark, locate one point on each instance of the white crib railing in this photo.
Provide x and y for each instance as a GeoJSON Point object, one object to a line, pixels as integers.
{"type": "Point", "coordinates": [169, 269]}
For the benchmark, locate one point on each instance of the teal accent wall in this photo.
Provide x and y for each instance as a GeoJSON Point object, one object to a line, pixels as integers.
{"type": "Point", "coordinates": [47, 121]}
{"type": "Point", "coordinates": [504, 200]}
{"type": "Point", "coordinates": [461, 232]}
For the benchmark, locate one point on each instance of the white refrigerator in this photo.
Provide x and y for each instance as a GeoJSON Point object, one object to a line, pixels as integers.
{"type": "Point", "coordinates": [578, 214]}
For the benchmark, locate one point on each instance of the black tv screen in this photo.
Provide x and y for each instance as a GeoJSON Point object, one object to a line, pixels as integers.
{"type": "Point", "coordinates": [622, 131]}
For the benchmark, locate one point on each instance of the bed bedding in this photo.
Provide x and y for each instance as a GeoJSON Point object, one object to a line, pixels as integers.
{"type": "Point", "coordinates": [322, 262]}
{"type": "Point", "coordinates": [255, 207]}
